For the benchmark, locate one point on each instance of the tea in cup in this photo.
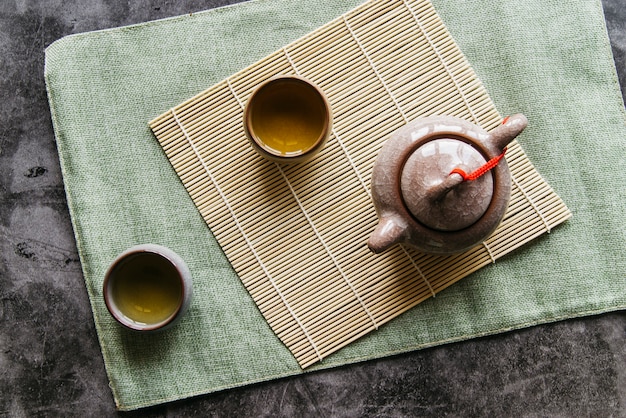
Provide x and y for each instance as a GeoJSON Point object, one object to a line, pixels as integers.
{"type": "Point", "coordinates": [287, 119]}
{"type": "Point", "coordinates": [147, 288]}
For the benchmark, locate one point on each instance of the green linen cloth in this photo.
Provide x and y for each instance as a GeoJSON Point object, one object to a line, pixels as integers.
{"type": "Point", "coordinates": [548, 59]}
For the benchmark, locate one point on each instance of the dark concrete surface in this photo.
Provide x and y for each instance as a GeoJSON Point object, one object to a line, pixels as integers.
{"type": "Point", "coordinates": [50, 362]}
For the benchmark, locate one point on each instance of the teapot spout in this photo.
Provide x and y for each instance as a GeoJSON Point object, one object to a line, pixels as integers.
{"type": "Point", "coordinates": [508, 131]}
{"type": "Point", "coordinates": [390, 230]}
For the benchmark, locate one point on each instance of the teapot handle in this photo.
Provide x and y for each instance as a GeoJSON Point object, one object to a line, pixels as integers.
{"type": "Point", "coordinates": [390, 230]}
{"type": "Point", "coordinates": [511, 127]}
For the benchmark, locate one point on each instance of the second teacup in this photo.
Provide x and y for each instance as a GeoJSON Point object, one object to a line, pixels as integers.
{"type": "Point", "coordinates": [147, 288]}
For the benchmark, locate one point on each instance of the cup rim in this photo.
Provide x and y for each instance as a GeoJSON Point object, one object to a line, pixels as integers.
{"type": "Point", "coordinates": [261, 147]}
{"type": "Point", "coordinates": [115, 311]}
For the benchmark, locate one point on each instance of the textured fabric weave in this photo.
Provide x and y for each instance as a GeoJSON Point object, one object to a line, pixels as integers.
{"type": "Point", "coordinates": [549, 60]}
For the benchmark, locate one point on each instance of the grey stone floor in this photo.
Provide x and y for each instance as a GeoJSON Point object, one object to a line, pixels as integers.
{"type": "Point", "coordinates": [49, 366]}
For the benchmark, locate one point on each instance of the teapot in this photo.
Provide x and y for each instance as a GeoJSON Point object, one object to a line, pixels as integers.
{"type": "Point", "coordinates": [423, 193]}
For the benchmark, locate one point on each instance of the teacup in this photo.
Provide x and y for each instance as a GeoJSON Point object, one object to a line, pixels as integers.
{"type": "Point", "coordinates": [288, 119]}
{"type": "Point", "coordinates": [147, 288]}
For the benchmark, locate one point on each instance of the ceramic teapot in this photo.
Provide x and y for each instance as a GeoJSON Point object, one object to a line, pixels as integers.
{"type": "Point", "coordinates": [423, 193]}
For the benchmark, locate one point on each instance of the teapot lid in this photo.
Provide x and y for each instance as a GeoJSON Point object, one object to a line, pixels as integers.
{"type": "Point", "coordinates": [436, 196]}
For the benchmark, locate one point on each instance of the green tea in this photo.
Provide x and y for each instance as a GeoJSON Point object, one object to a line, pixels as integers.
{"type": "Point", "coordinates": [147, 288]}
{"type": "Point", "coordinates": [289, 118]}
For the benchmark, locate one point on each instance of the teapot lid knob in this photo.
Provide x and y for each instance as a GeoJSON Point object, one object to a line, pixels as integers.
{"type": "Point", "coordinates": [436, 195]}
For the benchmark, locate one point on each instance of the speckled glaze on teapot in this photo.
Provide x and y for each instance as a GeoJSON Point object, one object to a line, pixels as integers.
{"type": "Point", "coordinates": [420, 196]}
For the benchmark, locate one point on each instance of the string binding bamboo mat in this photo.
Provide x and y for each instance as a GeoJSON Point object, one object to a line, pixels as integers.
{"type": "Point", "coordinates": [296, 234]}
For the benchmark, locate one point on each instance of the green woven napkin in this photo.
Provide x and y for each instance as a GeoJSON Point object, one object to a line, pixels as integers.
{"type": "Point", "coordinates": [549, 60]}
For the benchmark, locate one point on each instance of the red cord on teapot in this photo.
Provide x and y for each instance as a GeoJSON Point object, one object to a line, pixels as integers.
{"type": "Point", "coordinates": [484, 168]}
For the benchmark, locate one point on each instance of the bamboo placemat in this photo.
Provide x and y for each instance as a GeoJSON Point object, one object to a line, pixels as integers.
{"type": "Point", "coordinates": [296, 234]}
